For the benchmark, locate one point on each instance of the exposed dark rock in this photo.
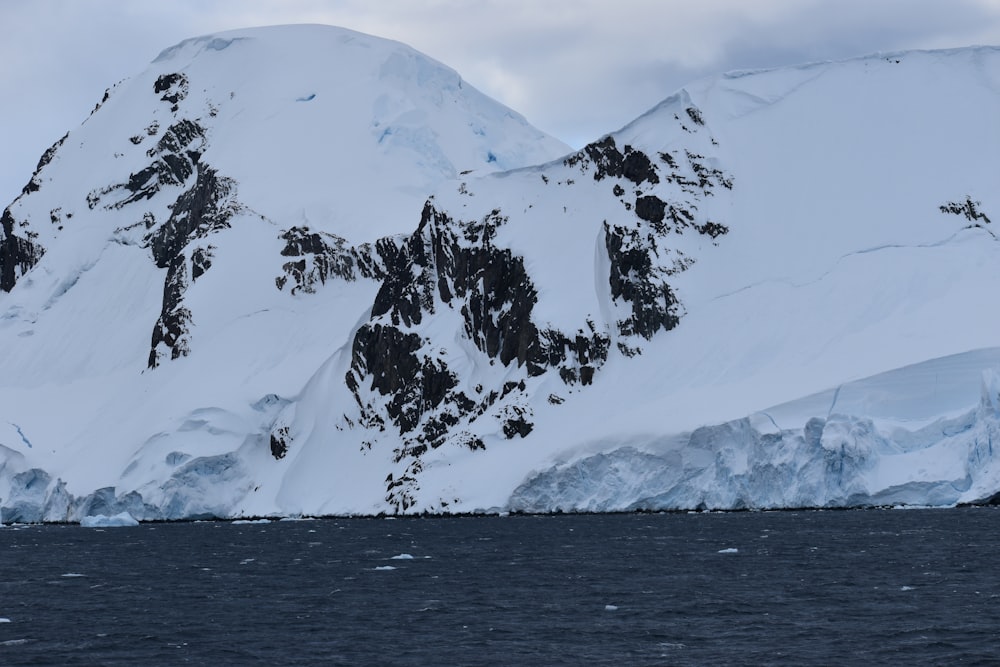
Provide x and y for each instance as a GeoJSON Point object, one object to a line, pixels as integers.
{"type": "Point", "coordinates": [400, 377]}
{"type": "Point", "coordinates": [174, 88]}
{"type": "Point", "coordinates": [638, 168]}
{"type": "Point", "coordinates": [517, 425]}
{"type": "Point", "coordinates": [454, 264]}
{"type": "Point", "coordinates": [201, 261]}
{"type": "Point", "coordinates": [279, 442]}
{"type": "Point", "coordinates": [178, 138]}
{"type": "Point", "coordinates": [968, 208]}
{"type": "Point", "coordinates": [993, 500]}
{"type": "Point", "coordinates": [650, 208]}
{"type": "Point", "coordinates": [669, 159]}
{"type": "Point", "coordinates": [18, 254]}
{"type": "Point", "coordinates": [176, 157]}
{"type": "Point", "coordinates": [633, 279]}
{"type": "Point", "coordinates": [389, 357]}
{"type": "Point", "coordinates": [323, 256]}
{"type": "Point", "coordinates": [608, 162]}
{"type": "Point", "coordinates": [400, 490]}
{"type": "Point", "coordinates": [712, 229]}
{"type": "Point", "coordinates": [35, 183]}
{"type": "Point", "coordinates": [570, 354]}
{"type": "Point", "coordinates": [171, 328]}
{"type": "Point", "coordinates": [104, 98]}
{"type": "Point", "coordinates": [695, 115]}
{"type": "Point", "coordinates": [206, 208]}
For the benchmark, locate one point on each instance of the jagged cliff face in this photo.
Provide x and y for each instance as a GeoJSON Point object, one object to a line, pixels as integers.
{"type": "Point", "coordinates": [411, 386]}
{"type": "Point", "coordinates": [289, 294]}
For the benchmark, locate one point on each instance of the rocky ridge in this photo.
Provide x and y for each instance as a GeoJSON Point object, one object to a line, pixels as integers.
{"type": "Point", "coordinates": [407, 392]}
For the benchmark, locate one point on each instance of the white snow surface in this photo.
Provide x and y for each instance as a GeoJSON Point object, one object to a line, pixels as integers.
{"type": "Point", "coordinates": [837, 346]}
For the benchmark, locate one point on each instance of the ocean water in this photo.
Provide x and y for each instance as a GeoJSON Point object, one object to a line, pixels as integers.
{"type": "Point", "coordinates": [888, 587]}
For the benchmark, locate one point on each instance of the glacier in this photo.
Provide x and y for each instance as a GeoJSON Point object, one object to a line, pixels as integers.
{"type": "Point", "coordinates": [353, 285]}
{"type": "Point", "coordinates": [829, 459]}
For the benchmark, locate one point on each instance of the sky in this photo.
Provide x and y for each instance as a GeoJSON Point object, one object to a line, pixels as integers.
{"type": "Point", "coordinates": [576, 69]}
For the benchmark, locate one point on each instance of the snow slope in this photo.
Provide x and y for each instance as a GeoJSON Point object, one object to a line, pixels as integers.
{"type": "Point", "coordinates": [771, 290]}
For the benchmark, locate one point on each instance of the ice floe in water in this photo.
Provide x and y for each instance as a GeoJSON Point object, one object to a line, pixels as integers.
{"type": "Point", "coordinates": [384, 567]}
{"type": "Point", "coordinates": [4, 620]}
{"type": "Point", "coordinates": [102, 521]}
{"type": "Point", "coordinates": [610, 607]}
{"type": "Point", "coordinates": [402, 557]}
{"type": "Point", "coordinates": [72, 575]}
{"type": "Point", "coordinates": [730, 550]}
{"type": "Point", "coordinates": [244, 522]}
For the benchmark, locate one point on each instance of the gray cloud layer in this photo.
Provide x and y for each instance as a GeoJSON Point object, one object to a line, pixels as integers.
{"type": "Point", "coordinates": [575, 68]}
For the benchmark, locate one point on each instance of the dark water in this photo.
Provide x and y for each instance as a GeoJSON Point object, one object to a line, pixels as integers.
{"type": "Point", "coordinates": [860, 587]}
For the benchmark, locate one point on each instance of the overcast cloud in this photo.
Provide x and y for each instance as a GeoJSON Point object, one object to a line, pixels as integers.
{"type": "Point", "coordinates": [575, 68]}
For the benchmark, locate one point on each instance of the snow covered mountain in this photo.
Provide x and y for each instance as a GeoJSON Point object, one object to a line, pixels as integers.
{"type": "Point", "coordinates": [200, 244]}
{"type": "Point", "coordinates": [771, 290]}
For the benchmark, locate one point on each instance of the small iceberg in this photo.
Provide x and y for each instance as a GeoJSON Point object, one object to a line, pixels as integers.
{"type": "Point", "coordinates": [610, 607]}
{"type": "Point", "coordinates": [102, 521]}
{"type": "Point", "coordinates": [730, 550]}
{"type": "Point", "coordinates": [402, 557]}
{"type": "Point", "coordinates": [384, 568]}
{"type": "Point", "coordinates": [4, 620]}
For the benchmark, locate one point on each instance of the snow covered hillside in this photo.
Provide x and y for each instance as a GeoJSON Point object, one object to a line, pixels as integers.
{"type": "Point", "coordinates": [771, 290]}
{"type": "Point", "coordinates": [186, 258]}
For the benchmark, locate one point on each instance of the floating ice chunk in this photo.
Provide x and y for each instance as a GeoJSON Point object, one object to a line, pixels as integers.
{"type": "Point", "coordinates": [610, 607]}
{"type": "Point", "coordinates": [384, 567]}
{"type": "Point", "coordinates": [906, 588]}
{"type": "Point", "coordinates": [4, 620]}
{"type": "Point", "coordinates": [402, 557]}
{"type": "Point", "coordinates": [102, 521]}
{"type": "Point", "coordinates": [73, 575]}
{"type": "Point", "coordinates": [244, 522]}
{"type": "Point", "coordinates": [730, 550]}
